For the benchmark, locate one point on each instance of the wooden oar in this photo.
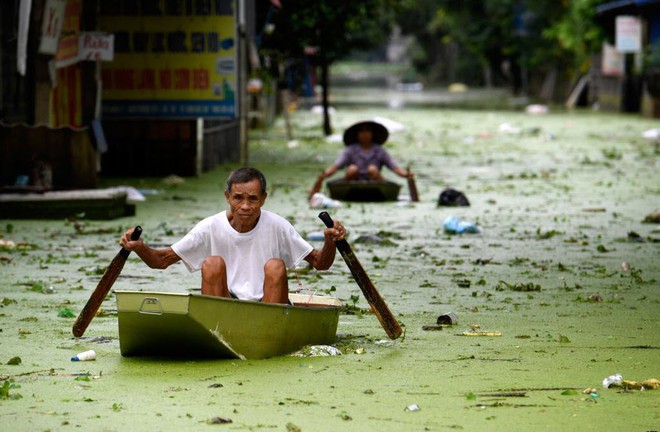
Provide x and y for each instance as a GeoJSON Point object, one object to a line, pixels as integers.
{"type": "Point", "coordinates": [387, 320]}
{"type": "Point", "coordinates": [412, 187]}
{"type": "Point", "coordinates": [103, 287]}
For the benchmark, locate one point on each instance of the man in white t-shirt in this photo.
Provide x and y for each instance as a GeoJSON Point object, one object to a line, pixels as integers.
{"type": "Point", "coordinates": [243, 252]}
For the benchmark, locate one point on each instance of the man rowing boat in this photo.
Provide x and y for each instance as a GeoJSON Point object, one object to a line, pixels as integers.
{"type": "Point", "coordinates": [243, 252]}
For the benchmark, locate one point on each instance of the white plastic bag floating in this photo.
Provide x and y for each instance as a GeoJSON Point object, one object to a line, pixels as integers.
{"type": "Point", "coordinates": [322, 201]}
{"type": "Point", "coordinates": [615, 379]}
{"type": "Point", "coordinates": [455, 225]}
{"type": "Point", "coordinates": [651, 134]}
{"type": "Point", "coordinates": [537, 109]}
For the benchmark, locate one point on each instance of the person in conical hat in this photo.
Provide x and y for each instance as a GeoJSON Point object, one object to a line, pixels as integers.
{"type": "Point", "coordinates": [364, 155]}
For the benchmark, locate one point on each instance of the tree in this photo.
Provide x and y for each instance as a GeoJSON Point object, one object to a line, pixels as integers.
{"type": "Point", "coordinates": [328, 30]}
{"type": "Point", "coordinates": [532, 37]}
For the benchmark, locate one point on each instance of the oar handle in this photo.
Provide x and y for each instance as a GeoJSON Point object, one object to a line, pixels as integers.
{"type": "Point", "coordinates": [137, 232]}
{"type": "Point", "coordinates": [327, 220]}
{"type": "Point", "coordinates": [342, 245]}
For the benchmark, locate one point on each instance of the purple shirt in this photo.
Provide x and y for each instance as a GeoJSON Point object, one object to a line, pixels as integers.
{"type": "Point", "coordinates": [376, 155]}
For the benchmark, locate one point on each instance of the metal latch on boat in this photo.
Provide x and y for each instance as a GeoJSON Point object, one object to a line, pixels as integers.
{"type": "Point", "coordinates": [151, 306]}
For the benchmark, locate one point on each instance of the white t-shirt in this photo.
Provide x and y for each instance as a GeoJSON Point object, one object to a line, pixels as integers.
{"type": "Point", "coordinates": [245, 254]}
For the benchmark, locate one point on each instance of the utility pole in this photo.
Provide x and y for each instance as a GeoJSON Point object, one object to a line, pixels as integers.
{"type": "Point", "coordinates": [241, 91]}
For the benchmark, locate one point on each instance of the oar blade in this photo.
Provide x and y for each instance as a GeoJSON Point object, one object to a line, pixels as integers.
{"type": "Point", "coordinates": [103, 288]}
{"type": "Point", "coordinates": [378, 305]}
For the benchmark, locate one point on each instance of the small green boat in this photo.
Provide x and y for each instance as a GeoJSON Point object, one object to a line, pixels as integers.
{"type": "Point", "coordinates": [195, 325]}
{"type": "Point", "coordinates": [363, 190]}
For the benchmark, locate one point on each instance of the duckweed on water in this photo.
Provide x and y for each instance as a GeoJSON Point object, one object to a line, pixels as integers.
{"type": "Point", "coordinates": [546, 273]}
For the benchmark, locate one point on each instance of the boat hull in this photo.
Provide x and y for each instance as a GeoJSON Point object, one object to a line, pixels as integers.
{"type": "Point", "coordinates": [364, 190]}
{"type": "Point", "coordinates": [193, 325]}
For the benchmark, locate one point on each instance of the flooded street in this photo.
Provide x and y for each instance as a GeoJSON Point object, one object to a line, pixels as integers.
{"type": "Point", "coordinates": [562, 278]}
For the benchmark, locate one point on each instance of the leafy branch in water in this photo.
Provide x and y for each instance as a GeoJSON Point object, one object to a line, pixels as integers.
{"type": "Point", "coordinates": [5, 390]}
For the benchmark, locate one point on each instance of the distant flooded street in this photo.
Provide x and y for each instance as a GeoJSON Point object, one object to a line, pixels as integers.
{"type": "Point", "coordinates": [555, 292]}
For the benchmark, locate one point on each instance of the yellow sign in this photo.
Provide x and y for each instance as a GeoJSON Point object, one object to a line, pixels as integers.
{"type": "Point", "coordinates": [173, 59]}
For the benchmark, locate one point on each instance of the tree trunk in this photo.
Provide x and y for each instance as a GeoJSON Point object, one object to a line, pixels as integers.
{"type": "Point", "coordinates": [325, 83]}
{"type": "Point", "coordinates": [488, 75]}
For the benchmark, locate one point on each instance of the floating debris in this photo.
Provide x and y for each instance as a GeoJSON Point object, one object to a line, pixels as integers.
{"type": "Point", "coordinates": [220, 420]}
{"type": "Point", "coordinates": [449, 318]}
{"type": "Point", "coordinates": [652, 217]}
{"type": "Point", "coordinates": [65, 313]}
{"type": "Point", "coordinates": [455, 225]}
{"type": "Point", "coordinates": [618, 381]}
{"type": "Point", "coordinates": [7, 244]}
{"type": "Point", "coordinates": [520, 287]}
{"type": "Point", "coordinates": [481, 333]}
{"type": "Point", "coordinates": [615, 379]}
{"type": "Point", "coordinates": [85, 356]}
{"type": "Point", "coordinates": [317, 351]}
{"type": "Point", "coordinates": [14, 361]}
{"type": "Point", "coordinates": [374, 239]}
{"type": "Point", "coordinates": [649, 384]}
{"type": "Point", "coordinates": [537, 109]}
{"type": "Point", "coordinates": [652, 134]}
{"type": "Point", "coordinates": [316, 236]}
{"type": "Point", "coordinates": [322, 201]}
{"type": "Point", "coordinates": [290, 427]}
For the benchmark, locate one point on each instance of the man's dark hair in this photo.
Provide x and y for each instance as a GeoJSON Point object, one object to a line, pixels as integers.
{"type": "Point", "coordinates": [244, 175]}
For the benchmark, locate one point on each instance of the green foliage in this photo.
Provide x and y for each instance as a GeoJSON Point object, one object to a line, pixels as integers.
{"type": "Point", "coordinates": [8, 386]}
{"type": "Point", "coordinates": [536, 35]}
{"type": "Point", "coordinates": [576, 32]}
{"type": "Point", "coordinates": [324, 31]}
{"type": "Point", "coordinates": [334, 28]}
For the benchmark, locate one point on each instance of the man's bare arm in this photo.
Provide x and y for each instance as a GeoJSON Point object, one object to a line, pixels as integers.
{"type": "Point", "coordinates": [154, 258]}
{"type": "Point", "coordinates": [323, 259]}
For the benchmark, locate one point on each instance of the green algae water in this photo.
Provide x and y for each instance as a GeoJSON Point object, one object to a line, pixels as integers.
{"type": "Point", "coordinates": [563, 268]}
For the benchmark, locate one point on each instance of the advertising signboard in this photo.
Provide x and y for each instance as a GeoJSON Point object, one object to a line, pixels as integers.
{"type": "Point", "coordinates": [172, 59]}
{"type": "Point", "coordinates": [628, 34]}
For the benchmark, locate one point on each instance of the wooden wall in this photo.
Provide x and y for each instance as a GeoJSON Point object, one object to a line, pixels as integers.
{"type": "Point", "coordinates": [158, 148]}
{"type": "Point", "coordinates": [70, 152]}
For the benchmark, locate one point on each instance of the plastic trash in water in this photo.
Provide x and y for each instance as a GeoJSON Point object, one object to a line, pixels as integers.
{"type": "Point", "coordinates": [84, 356]}
{"type": "Point", "coordinates": [316, 236]}
{"type": "Point", "coordinates": [413, 407]}
{"type": "Point", "coordinates": [455, 225]}
{"type": "Point", "coordinates": [317, 351]}
{"type": "Point", "coordinates": [449, 318]}
{"type": "Point", "coordinates": [615, 379]}
{"type": "Point", "coordinates": [652, 134]}
{"type": "Point", "coordinates": [322, 201]}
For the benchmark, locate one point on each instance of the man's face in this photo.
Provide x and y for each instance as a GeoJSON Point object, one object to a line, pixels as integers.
{"type": "Point", "coordinates": [245, 201]}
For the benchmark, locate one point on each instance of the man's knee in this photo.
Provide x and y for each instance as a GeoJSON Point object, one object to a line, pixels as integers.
{"type": "Point", "coordinates": [276, 286]}
{"type": "Point", "coordinates": [213, 265]}
{"type": "Point", "coordinates": [275, 267]}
